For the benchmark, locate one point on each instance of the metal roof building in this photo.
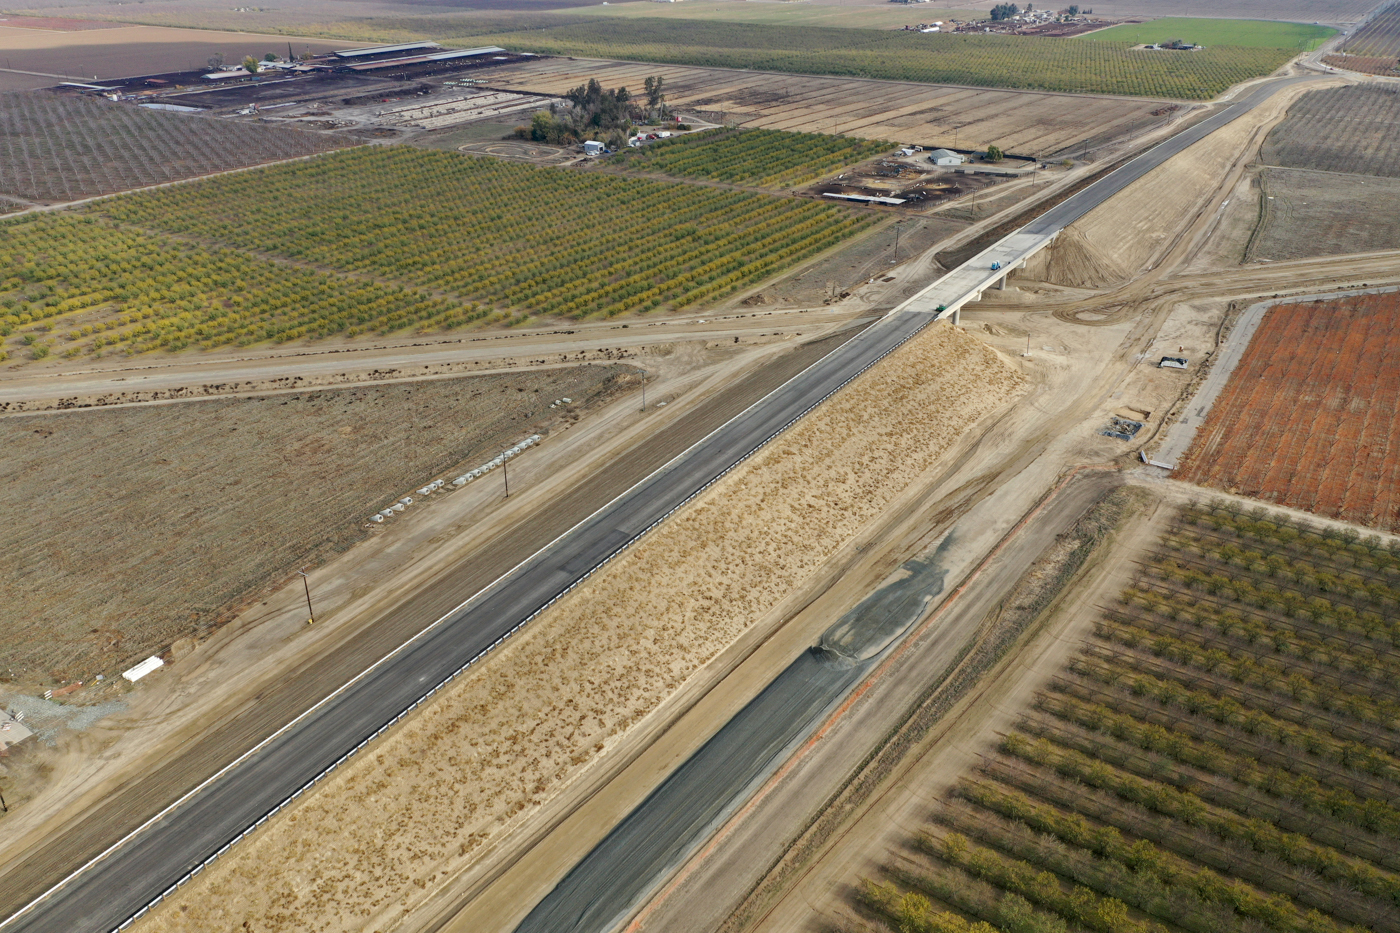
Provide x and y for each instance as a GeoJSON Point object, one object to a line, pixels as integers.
{"type": "Point", "coordinates": [386, 49]}
{"type": "Point", "coordinates": [424, 59]}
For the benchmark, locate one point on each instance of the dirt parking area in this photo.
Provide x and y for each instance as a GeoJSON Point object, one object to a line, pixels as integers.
{"type": "Point", "coordinates": [1019, 122]}
{"type": "Point", "coordinates": [156, 523]}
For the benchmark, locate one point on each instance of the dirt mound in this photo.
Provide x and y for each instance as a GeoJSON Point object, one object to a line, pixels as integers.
{"type": "Point", "coordinates": [1074, 262]}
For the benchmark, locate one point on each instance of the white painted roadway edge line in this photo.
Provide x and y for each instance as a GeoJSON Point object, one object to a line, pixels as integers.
{"type": "Point", "coordinates": [27, 908]}
{"type": "Point", "coordinates": [450, 677]}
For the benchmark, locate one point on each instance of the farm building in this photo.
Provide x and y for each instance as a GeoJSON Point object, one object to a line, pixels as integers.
{"type": "Point", "coordinates": [945, 157]}
{"type": "Point", "coordinates": [593, 147]}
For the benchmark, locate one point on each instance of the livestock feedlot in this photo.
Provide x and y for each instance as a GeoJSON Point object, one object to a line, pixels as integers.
{"type": "Point", "coordinates": [1309, 417]}
{"type": "Point", "coordinates": [376, 206]}
{"type": "Point", "coordinates": [1223, 755]}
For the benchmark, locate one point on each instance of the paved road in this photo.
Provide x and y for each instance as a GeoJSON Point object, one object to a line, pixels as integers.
{"type": "Point", "coordinates": [693, 801]}
{"type": "Point", "coordinates": [691, 804]}
{"type": "Point", "coordinates": [106, 894]}
{"type": "Point", "coordinates": [968, 281]}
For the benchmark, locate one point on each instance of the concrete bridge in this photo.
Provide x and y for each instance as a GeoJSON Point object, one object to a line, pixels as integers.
{"type": "Point", "coordinates": [967, 282]}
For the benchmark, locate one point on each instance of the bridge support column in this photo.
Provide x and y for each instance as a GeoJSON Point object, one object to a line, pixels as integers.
{"type": "Point", "coordinates": [956, 319]}
{"type": "Point", "coordinates": [1001, 283]}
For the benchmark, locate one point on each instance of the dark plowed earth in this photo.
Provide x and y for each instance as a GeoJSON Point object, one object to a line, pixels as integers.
{"type": "Point", "coordinates": [121, 812]}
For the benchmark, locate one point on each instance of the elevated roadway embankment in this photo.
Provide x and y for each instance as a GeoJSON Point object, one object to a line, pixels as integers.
{"type": "Point", "coordinates": [946, 296]}
{"type": "Point", "coordinates": [152, 861]}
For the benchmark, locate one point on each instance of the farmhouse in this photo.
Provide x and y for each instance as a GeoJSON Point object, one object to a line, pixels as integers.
{"type": "Point", "coordinates": [945, 157]}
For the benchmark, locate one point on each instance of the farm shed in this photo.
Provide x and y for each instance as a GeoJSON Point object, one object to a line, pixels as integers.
{"type": "Point", "coordinates": [386, 49]}
{"type": "Point", "coordinates": [945, 157]}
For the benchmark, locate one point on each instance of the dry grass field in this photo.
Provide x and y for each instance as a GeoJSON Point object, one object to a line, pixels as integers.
{"type": "Point", "coordinates": [149, 524]}
{"type": "Point", "coordinates": [1223, 755]}
{"type": "Point", "coordinates": [1352, 129]}
{"type": "Point", "coordinates": [1308, 214]}
{"type": "Point", "coordinates": [55, 149]}
{"type": "Point", "coordinates": [1018, 122]}
{"type": "Point", "coordinates": [414, 809]}
{"type": "Point", "coordinates": [1309, 417]}
{"type": "Point", "coordinates": [1119, 237]}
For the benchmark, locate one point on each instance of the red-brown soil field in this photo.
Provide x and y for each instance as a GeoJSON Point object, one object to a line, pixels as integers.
{"type": "Point", "coordinates": [1309, 418]}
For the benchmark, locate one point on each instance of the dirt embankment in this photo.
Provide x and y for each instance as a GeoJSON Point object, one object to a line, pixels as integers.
{"type": "Point", "coordinates": [1133, 228]}
{"type": "Point", "coordinates": [395, 823]}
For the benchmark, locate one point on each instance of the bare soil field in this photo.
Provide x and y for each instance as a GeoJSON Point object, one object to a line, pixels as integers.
{"type": "Point", "coordinates": [1309, 214]}
{"type": "Point", "coordinates": [398, 822]}
{"type": "Point", "coordinates": [56, 149]}
{"type": "Point", "coordinates": [1380, 37]}
{"type": "Point", "coordinates": [1019, 122]}
{"type": "Point", "coordinates": [157, 523]}
{"type": "Point", "coordinates": [1308, 418]}
{"type": "Point", "coordinates": [1352, 129]}
{"type": "Point", "coordinates": [134, 50]}
{"type": "Point", "coordinates": [59, 24]}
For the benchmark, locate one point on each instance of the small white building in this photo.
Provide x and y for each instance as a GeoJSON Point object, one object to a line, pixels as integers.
{"type": "Point", "coordinates": [592, 148]}
{"type": "Point", "coordinates": [945, 157]}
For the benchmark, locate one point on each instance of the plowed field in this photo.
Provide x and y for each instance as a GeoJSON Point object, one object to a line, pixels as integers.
{"type": "Point", "coordinates": [1310, 417]}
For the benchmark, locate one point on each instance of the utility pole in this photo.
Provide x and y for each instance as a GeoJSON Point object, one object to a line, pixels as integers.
{"type": "Point", "coordinates": [644, 390]}
{"type": "Point", "coordinates": [305, 581]}
{"type": "Point", "coordinates": [505, 471]}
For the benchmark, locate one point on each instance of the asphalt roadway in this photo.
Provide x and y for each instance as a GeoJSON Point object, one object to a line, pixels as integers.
{"type": "Point", "coordinates": [107, 893]}
{"type": "Point", "coordinates": [694, 800]}
{"type": "Point", "coordinates": [691, 804]}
